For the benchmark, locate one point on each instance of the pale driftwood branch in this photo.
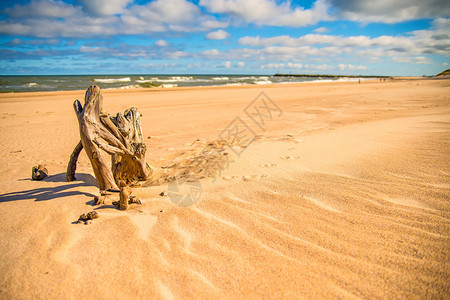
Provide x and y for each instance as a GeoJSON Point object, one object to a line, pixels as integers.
{"type": "Point", "coordinates": [120, 136]}
{"type": "Point", "coordinates": [90, 127]}
{"type": "Point", "coordinates": [72, 166]}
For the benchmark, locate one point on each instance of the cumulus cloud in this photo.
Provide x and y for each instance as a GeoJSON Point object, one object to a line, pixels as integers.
{"type": "Point", "coordinates": [390, 11]}
{"type": "Point", "coordinates": [321, 30]}
{"type": "Point", "coordinates": [217, 35]}
{"type": "Point", "coordinates": [351, 67]}
{"type": "Point", "coordinates": [19, 42]}
{"type": "Point", "coordinates": [290, 65]}
{"type": "Point", "coordinates": [211, 52]}
{"type": "Point", "coordinates": [412, 47]}
{"type": "Point", "coordinates": [414, 60]}
{"type": "Point", "coordinates": [42, 8]}
{"type": "Point", "coordinates": [104, 7]}
{"type": "Point", "coordinates": [48, 18]}
{"type": "Point", "coordinates": [162, 43]}
{"type": "Point", "coordinates": [167, 15]}
{"type": "Point", "coordinates": [241, 64]}
{"type": "Point", "coordinates": [226, 64]}
{"type": "Point", "coordinates": [269, 12]}
{"type": "Point", "coordinates": [319, 39]}
{"type": "Point", "coordinates": [435, 40]}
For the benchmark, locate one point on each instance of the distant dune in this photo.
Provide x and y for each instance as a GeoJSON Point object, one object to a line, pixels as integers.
{"type": "Point", "coordinates": [444, 73]}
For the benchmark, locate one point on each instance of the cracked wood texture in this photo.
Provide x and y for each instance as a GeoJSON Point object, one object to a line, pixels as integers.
{"type": "Point", "coordinates": [120, 136]}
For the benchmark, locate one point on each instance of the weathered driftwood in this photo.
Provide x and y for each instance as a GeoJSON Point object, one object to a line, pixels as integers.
{"type": "Point", "coordinates": [125, 197]}
{"type": "Point", "coordinates": [125, 192]}
{"type": "Point", "coordinates": [130, 168]}
{"type": "Point", "coordinates": [39, 172]}
{"type": "Point", "coordinates": [87, 217]}
{"type": "Point", "coordinates": [72, 166]}
{"type": "Point", "coordinates": [119, 136]}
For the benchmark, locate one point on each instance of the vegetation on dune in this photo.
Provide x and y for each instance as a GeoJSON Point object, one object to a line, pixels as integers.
{"type": "Point", "coordinates": [444, 73]}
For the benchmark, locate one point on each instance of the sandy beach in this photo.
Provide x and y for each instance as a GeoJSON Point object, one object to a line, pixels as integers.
{"type": "Point", "coordinates": [335, 190]}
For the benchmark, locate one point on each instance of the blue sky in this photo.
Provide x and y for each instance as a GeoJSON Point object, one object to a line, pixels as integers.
{"type": "Point", "coordinates": [380, 37]}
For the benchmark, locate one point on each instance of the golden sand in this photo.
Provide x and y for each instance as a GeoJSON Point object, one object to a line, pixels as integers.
{"type": "Point", "coordinates": [342, 192]}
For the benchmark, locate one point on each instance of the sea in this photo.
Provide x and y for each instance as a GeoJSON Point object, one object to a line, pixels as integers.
{"type": "Point", "coordinates": [13, 84]}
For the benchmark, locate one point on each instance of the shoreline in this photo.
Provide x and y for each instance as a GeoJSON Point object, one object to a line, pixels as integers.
{"type": "Point", "coordinates": [55, 83]}
{"type": "Point", "coordinates": [243, 86]}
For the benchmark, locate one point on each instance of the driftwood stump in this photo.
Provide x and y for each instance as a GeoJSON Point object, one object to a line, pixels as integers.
{"type": "Point", "coordinates": [130, 168]}
{"type": "Point", "coordinates": [120, 136]}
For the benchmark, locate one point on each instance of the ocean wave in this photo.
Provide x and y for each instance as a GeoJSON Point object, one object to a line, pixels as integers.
{"type": "Point", "coordinates": [112, 80]}
{"type": "Point", "coordinates": [31, 84]}
{"type": "Point", "coordinates": [245, 78]}
{"type": "Point", "coordinates": [133, 86]}
{"type": "Point", "coordinates": [319, 80]}
{"type": "Point", "coordinates": [220, 78]}
{"type": "Point", "coordinates": [174, 79]}
{"type": "Point", "coordinates": [169, 85]}
{"type": "Point", "coordinates": [262, 82]}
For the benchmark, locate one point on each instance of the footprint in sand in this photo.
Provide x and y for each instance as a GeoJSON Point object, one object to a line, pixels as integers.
{"type": "Point", "coordinates": [269, 165]}
{"type": "Point", "coordinates": [245, 178]}
{"type": "Point", "coordinates": [249, 177]}
{"type": "Point", "coordinates": [290, 157]}
{"type": "Point", "coordinates": [228, 178]}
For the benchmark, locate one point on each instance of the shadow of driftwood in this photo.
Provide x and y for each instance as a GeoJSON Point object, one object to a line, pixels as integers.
{"type": "Point", "coordinates": [49, 193]}
{"type": "Point", "coordinates": [88, 179]}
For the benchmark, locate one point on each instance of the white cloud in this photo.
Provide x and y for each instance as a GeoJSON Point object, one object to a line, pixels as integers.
{"type": "Point", "coordinates": [268, 12]}
{"type": "Point", "coordinates": [413, 47]}
{"type": "Point", "coordinates": [445, 64]}
{"type": "Point", "coordinates": [86, 49]}
{"type": "Point", "coordinates": [241, 64]}
{"type": "Point", "coordinates": [390, 11]}
{"type": "Point", "coordinates": [294, 66]}
{"type": "Point", "coordinates": [226, 64]}
{"type": "Point", "coordinates": [333, 40]}
{"type": "Point", "coordinates": [412, 59]}
{"type": "Point", "coordinates": [273, 66]}
{"type": "Point", "coordinates": [169, 11]}
{"type": "Point", "coordinates": [213, 52]}
{"type": "Point", "coordinates": [162, 43]}
{"type": "Point", "coordinates": [436, 40]}
{"type": "Point", "coordinates": [422, 60]}
{"type": "Point", "coordinates": [351, 67]}
{"type": "Point", "coordinates": [321, 30]}
{"type": "Point", "coordinates": [42, 8]}
{"type": "Point", "coordinates": [290, 65]}
{"type": "Point", "coordinates": [318, 67]}
{"type": "Point", "coordinates": [210, 24]}
{"type": "Point", "coordinates": [167, 15]}
{"type": "Point", "coordinates": [104, 7]}
{"type": "Point", "coordinates": [217, 35]}
{"type": "Point", "coordinates": [48, 18]}
{"type": "Point", "coordinates": [177, 54]}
